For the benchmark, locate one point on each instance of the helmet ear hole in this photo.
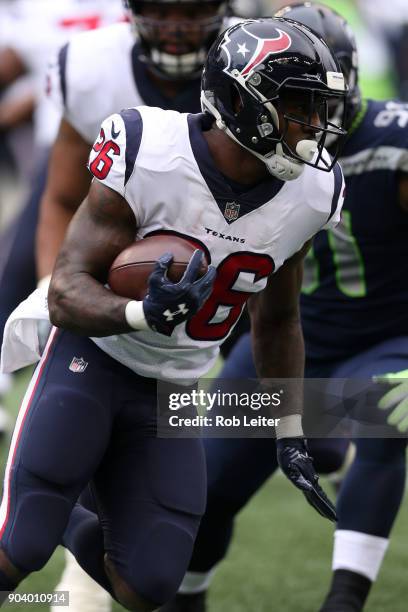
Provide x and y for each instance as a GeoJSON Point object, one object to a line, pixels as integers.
{"type": "Point", "coordinates": [237, 103]}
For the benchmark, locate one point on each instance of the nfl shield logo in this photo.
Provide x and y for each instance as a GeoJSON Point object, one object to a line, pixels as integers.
{"type": "Point", "coordinates": [231, 211]}
{"type": "Point", "coordinates": [78, 365]}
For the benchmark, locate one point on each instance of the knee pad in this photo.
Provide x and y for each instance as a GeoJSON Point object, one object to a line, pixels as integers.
{"type": "Point", "coordinates": [38, 523]}
{"type": "Point", "coordinates": [155, 571]}
{"type": "Point", "coordinates": [124, 594]}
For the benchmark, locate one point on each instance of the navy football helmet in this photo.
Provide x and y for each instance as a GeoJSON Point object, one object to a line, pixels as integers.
{"type": "Point", "coordinates": [176, 48]}
{"type": "Point", "coordinates": [339, 36]}
{"type": "Point", "coordinates": [257, 74]}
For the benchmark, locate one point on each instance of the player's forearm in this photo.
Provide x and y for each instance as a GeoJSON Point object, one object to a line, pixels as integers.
{"type": "Point", "coordinates": [279, 353]}
{"type": "Point", "coordinates": [15, 112]}
{"type": "Point", "coordinates": [81, 304]}
{"type": "Point", "coordinates": [52, 227]}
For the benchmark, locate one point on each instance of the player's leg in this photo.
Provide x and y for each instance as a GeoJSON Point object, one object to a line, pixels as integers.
{"type": "Point", "coordinates": [150, 494]}
{"type": "Point", "coordinates": [61, 434]}
{"type": "Point", "coordinates": [370, 495]}
{"type": "Point", "coordinates": [85, 594]}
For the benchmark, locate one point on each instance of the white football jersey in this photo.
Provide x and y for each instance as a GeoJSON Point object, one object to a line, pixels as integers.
{"type": "Point", "coordinates": [99, 73]}
{"type": "Point", "coordinates": [35, 29]}
{"type": "Point", "coordinates": [92, 77]}
{"type": "Point", "coordinates": [160, 163]}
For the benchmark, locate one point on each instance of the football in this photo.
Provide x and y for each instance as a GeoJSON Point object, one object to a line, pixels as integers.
{"type": "Point", "coordinates": [129, 273]}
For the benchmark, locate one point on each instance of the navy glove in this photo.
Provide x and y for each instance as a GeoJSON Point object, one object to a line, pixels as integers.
{"type": "Point", "coordinates": [168, 304]}
{"type": "Point", "coordinates": [297, 465]}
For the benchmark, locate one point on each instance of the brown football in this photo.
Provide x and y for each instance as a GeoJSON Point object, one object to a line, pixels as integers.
{"type": "Point", "coordinates": [130, 271]}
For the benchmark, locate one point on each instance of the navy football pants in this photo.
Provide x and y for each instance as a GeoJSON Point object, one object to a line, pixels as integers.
{"type": "Point", "coordinates": [98, 424]}
{"type": "Point", "coordinates": [237, 468]}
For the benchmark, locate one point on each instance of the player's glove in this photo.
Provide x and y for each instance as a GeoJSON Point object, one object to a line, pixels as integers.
{"type": "Point", "coordinates": [168, 304]}
{"type": "Point", "coordinates": [297, 465]}
{"type": "Point", "coordinates": [396, 398]}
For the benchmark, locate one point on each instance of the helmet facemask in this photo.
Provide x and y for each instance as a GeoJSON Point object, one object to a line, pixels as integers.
{"type": "Point", "coordinates": [312, 109]}
{"type": "Point", "coordinates": [175, 49]}
{"type": "Point", "coordinates": [261, 123]}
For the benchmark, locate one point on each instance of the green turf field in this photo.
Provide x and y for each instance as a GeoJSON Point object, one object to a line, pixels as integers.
{"type": "Point", "coordinates": [280, 559]}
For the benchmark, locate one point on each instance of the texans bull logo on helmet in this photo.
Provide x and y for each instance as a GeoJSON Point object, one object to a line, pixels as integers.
{"type": "Point", "coordinates": [254, 50]}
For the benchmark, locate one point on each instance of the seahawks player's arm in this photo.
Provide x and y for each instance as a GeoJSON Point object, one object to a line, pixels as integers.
{"type": "Point", "coordinates": [403, 191]}
{"type": "Point", "coordinates": [276, 330]}
{"type": "Point", "coordinates": [67, 185]}
{"type": "Point", "coordinates": [102, 227]}
{"type": "Point", "coordinates": [395, 399]}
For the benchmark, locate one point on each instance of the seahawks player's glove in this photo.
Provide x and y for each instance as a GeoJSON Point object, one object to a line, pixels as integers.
{"type": "Point", "coordinates": [297, 465]}
{"type": "Point", "coordinates": [396, 398]}
{"type": "Point", "coordinates": [168, 304]}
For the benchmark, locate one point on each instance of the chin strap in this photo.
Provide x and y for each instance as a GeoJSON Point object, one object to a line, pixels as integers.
{"type": "Point", "coordinates": [278, 164]}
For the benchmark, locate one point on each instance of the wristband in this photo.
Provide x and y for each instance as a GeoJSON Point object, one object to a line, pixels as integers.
{"type": "Point", "coordinates": [134, 315]}
{"type": "Point", "coordinates": [289, 427]}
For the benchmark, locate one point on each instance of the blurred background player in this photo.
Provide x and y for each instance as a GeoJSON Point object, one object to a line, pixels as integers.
{"type": "Point", "coordinates": [29, 33]}
{"type": "Point", "coordinates": [355, 275]}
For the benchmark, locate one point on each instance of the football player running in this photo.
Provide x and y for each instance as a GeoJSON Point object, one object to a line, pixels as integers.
{"type": "Point", "coordinates": [156, 60]}
{"type": "Point", "coordinates": [354, 274]}
{"type": "Point", "coordinates": [161, 69]}
{"type": "Point", "coordinates": [259, 143]}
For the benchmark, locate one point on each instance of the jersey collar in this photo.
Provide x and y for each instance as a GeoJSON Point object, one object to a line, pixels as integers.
{"type": "Point", "coordinates": [221, 188]}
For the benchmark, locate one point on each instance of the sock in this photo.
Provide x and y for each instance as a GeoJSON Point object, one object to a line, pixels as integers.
{"type": "Point", "coordinates": [196, 582]}
{"type": "Point", "coordinates": [359, 552]}
{"type": "Point", "coordinates": [348, 592]}
{"type": "Point", "coordinates": [84, 538]}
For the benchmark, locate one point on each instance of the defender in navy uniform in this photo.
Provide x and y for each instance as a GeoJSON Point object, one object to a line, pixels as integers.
{"type": "Point", "coordinates": [355, 319]}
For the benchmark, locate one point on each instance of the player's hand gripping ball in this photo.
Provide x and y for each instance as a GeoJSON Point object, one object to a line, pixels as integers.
{"type": "Point", "coordinates": [173, 284]}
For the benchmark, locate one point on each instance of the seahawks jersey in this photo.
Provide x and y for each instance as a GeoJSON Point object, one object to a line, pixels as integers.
{"type": "Point", "coordinates": [355, 292]}
{"type": "Point", "coordinates": [160, 163]}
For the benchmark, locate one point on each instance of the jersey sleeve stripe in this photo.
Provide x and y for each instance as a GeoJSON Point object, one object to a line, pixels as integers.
{"type": "Point", "coordinates": [338, 182]}
{"type": "Point", "coordinates": [134, 130]}
{"type": "Point", "coordinates": [62, 62]}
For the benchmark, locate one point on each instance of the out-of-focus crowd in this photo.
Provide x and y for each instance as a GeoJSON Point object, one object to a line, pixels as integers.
{"type": "Point", "coordinates": [31, 31]}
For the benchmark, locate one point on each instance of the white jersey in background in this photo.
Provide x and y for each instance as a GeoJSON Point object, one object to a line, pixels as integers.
{"type": "Point", "coordinates": [99, 73]}
{"type": "Point", "coordinates": [160, 163]}
{"type": "Point", "coordinates": [35, 29]}
{"type": "Point", "coordinates": [92, 77]}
